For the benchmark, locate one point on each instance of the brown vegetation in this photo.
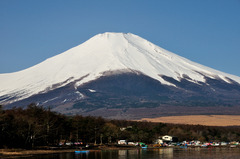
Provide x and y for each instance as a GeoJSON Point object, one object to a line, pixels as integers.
{"type": "Point", "coordinates": [208, 120]}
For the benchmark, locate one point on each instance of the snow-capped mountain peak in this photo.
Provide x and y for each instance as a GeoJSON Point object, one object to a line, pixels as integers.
{"type": "Point", "coordinates": [107, 52]}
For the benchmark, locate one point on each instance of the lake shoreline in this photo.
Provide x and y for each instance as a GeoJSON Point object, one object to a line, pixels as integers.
{"type": "Point", "coordinates": [13, 153]}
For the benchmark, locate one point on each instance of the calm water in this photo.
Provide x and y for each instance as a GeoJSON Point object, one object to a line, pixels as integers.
{"type": "Point", "coordinates": [166, 153]}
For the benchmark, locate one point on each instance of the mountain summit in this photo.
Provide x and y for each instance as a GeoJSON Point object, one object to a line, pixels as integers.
{"type": "Point", "coordinates": [108, 57]}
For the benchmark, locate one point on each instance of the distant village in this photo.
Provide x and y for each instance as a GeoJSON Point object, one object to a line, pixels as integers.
{"type": "Point", "coordinates": [162, 141]}
{"type": "Point", "coordinates": [172, 141]}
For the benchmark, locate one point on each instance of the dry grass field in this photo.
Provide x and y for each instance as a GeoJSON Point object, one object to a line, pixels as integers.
{"type": "Point", "coordinates": [209, 120]}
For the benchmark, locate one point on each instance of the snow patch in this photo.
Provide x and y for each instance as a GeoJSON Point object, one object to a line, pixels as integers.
{"type": "Point", "coordinates": [80, 95]}
{"type": "Point", "coordinates": [64, 100]}
{"type": "Point", "coordinates": [49, 100]}
{"type": "Point", "coordinates": [92, 90]}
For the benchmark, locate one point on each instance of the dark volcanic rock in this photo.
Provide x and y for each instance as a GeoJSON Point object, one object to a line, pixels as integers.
{"type": "Point", "coordinates": [126, 91]}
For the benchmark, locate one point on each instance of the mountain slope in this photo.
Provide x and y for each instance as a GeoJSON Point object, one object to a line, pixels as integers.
{"type": "Point", "coordinates": [110, 55]}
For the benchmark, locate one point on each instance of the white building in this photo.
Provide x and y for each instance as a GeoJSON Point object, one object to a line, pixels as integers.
{"type": "Point", "coordinates": [168, 138]}
{"type": "Point", "coordinates": [122, 142]}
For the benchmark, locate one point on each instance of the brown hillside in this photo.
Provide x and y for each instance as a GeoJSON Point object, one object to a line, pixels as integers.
{"type": "Point", "coordinates": [209, 120]}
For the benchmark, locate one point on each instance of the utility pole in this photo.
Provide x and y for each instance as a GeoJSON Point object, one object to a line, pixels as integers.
{"type": "Point", "coordinates": [95, 135]}
{"type": "Point", "coordinates": [101, 136]}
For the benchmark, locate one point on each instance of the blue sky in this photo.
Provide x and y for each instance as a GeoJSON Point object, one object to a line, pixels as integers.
{"type": "Point", "coordinates": [204, 31]}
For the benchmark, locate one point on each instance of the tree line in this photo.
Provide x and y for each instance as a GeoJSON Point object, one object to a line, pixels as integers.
{"type": "Point", "coordinates": [38, 126]}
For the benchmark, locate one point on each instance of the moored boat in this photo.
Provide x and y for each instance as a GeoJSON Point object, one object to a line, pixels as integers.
{"type": "Point", "coordinates": [82, 151]}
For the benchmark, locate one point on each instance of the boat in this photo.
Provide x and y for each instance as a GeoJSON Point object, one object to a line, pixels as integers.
{"type": "Point", "coordinates": [143, 145]}
{"type": "Point", "coordinates": [183, 146]}
{"type": "Point", "coordinates": [233, 146]}
{"type": "Point", "coordinates": [82, 151]}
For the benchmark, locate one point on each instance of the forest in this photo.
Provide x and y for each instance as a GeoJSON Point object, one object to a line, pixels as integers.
{"type": "Point", "coordinates": [37, 126]}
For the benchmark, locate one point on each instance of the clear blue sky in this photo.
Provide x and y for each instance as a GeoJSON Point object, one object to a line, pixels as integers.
{"type": "Point", "coordinates": [204, 31]}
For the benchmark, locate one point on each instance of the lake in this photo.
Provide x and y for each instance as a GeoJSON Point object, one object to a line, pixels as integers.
{"type": "Point", "coordinates": [166, 153]}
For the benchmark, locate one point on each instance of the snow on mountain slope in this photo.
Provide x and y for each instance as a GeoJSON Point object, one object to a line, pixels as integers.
{"type": "Point", "coordinates": [103, 53]}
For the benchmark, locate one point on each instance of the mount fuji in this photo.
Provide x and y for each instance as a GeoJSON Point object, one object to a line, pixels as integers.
{"type": "Point", "coordinates": [122, 75]}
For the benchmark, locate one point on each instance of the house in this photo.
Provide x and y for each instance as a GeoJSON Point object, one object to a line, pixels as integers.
{"type": "Point", "coordinates": [125, 128]}
{"type": "Point", "coordinates": [122, 142]}
{"type": "Point", "coordinates": [168, 139]}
